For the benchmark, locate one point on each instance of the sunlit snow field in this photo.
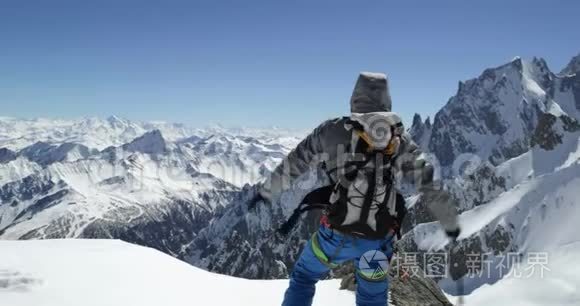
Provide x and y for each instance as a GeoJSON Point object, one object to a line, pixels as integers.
{"type": "Point", "coordinates": [111, 273]}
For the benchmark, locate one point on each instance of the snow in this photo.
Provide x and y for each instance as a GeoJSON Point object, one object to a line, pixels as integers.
{"type": "Point", "coordinates": [374, 75]}
{"type": "Point", "coordinates": [17, 170]}
{"type": "Point", "coordinates": [558, 286]}
{"type": "Point", "coordinates": [237, 160]}
{"type": "Point", "coordinates": [566, 100]}
{"type": "Point", "coordinates": [531, 87]}
{"type": "Point", "coordinates": [115, 273]}
{"type": "Point", "coordinates": [537, 161]}
{"type": "Point", "coordinates": [534, 200]}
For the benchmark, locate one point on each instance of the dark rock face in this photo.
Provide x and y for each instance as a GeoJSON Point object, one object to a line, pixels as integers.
{"type": "Point", "coordinates": [544, 135]}
{"type": "Point", "coordinates": [516, 148]}
{"type": "Point", "coordinates": [479, 187]}
{"type": "Point", "coordinates": [551, 129]}
{"type": "Point", "coordinates": [245, 243]}
{"type": "Point", "coordinates": [573, 66]}
{"type": "Point", "coordinates": [7, 155]}
{"type": "Point", "coordinates": [448, 141]}
{"type": "Point", "coordinates": [499, 240]}
{"type": "Point", "coordinates": [43, 203]}
{"type": "Point", "coordinates": [149, 143]}
{"type": "Point", "coordinates": [576, 90]}
{"type": "Point", "coordinates": [172, 227]}
{"type": "Point", "coordinates": [43, 192]}
{"type": "Point", "coordinates": [496, 241]}
{"type": "Point", "coordinates": [45, 154]}
{"type": "Point", "coordinates": [29, 187]}
{"type": "Point", "coordinates": [572, 83]}
{"type": "Point", "coordinates": [569, 124]}
{"type": "Point", "coordinates": [419, 213]}
{"type": "Point", "coordinates": [493, 121]}
{"type": "Point", "coordinates": [416, 291]}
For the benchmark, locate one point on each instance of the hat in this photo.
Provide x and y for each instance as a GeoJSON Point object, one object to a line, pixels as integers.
{"type": "Point", "coordinates": [371, 94]}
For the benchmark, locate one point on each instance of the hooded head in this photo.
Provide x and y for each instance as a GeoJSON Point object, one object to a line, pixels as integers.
{"type": "Point", "coordinates": [370, 94]}
{"type": "Point", "coordinates": [370, 107]}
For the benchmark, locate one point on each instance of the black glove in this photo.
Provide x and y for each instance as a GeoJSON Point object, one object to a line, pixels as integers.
{"type": "Point", "coordinates": [453, 234]}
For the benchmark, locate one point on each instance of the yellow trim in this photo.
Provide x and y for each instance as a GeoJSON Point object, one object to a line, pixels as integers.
{"type": "Point", "coordinates": [319, 253]}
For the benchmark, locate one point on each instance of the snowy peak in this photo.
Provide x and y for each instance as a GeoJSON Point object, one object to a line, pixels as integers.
{"type": "Point", "coordinates": [117, 122]}
{"type": "Point", "coordinates": [495, 114]}
{"type": "Point", "coordinates": [150, 143]}
{"type": "Point", "coordinates": [573, 66]}
{"type": "Point", "coordinates": [516, 72]}
{"type": "Point", "coordinates": [417, 123]}
{"type": "Point", "coordinates": [421, 131]}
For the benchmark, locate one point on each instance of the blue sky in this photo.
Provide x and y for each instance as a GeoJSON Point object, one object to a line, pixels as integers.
{"type": "Point", "coordinates": [260, 63]}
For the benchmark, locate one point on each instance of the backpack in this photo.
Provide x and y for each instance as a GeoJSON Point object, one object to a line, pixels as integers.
{"type": "Point", "coordinates": [362, 200]}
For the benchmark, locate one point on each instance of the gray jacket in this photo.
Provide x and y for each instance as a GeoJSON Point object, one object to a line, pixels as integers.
{"type": "Point", "coordinates": [329, 143]}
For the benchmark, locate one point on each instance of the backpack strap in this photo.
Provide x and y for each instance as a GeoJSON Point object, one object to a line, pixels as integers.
{"type": "Point", "coordinates": [401, 213]}
{"type": "Point", "coordinates": [316, 199]}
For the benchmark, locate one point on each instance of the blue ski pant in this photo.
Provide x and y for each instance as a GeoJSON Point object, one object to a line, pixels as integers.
{"type": "Point", "coordinates": [328, 248]}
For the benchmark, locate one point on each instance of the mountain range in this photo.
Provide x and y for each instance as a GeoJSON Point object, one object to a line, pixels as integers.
{"type": "Point", "coordinates": [507, 145]}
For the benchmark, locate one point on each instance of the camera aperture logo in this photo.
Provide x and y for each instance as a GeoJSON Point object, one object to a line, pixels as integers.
{"type": "Point", "coordinates": [373, 265]}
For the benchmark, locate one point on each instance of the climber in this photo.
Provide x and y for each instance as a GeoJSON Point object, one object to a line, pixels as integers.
{"type": "Point", "coordinates": [363, 155]}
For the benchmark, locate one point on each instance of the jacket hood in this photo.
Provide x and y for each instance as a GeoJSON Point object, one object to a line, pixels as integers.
{"type": "Point", "coordinates": [371, 94]}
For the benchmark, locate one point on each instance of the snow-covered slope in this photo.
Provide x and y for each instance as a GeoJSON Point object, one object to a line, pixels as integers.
{"type": "Point", "coordinates": [114, 273]}
{"type": "Point", "coordinates": [560, 286]}
{"type": "Point", "coordinates": [536, 213]}
{"type": "Point", "coordinates": [238, 160]}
